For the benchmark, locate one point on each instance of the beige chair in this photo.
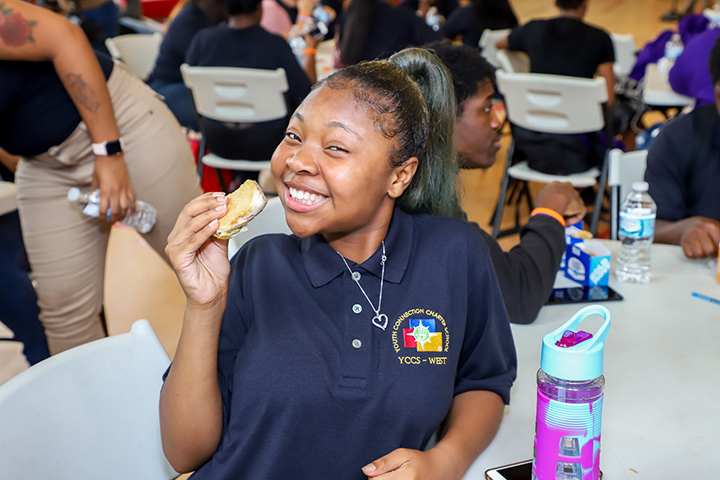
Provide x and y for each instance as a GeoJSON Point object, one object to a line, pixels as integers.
{"type": "Point", "coordinates": [88, 412]}
{"type": "Point", "coordinates": [138, 51]}
{"type": "Point", "coordinates": [623, 170]}
{"type": "Point", "coordinates": [236, 95]}
{"type": "Point", "coordinates": [513, 61]}
{"type": "Point", "coordinates": [554, 104]}
{"type": "Point", "coordinates": [487, 44]}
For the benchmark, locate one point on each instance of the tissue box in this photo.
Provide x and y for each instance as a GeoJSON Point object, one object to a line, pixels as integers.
{"type": "Point", "coordinates": [588, 263]}
{"type": "Point", "coordinates": [573, 234]}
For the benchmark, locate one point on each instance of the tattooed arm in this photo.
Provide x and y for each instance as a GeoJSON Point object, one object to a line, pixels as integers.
{"type": "Point", "coordinates": [29, 33]}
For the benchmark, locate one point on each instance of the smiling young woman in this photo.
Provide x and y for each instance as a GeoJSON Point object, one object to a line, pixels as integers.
{"type": "Point", "coordinates": [338, 351]}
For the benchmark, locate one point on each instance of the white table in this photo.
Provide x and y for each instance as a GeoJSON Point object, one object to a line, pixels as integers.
{"type": "Point", "coordinates": [8, 199]}
{"type": "Point", "coordinates": [657, 91]}
{"type": "Point", "coordinates": [662, 371]}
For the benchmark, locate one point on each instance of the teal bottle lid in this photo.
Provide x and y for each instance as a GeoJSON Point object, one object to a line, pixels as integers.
{"type": "Point", "coordinates": [580, 362]}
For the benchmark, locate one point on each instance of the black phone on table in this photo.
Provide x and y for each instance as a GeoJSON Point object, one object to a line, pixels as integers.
{"type": "Point", "coordinates": [597, 293]}
{"type": "Point", "coordinates": [514, 471]}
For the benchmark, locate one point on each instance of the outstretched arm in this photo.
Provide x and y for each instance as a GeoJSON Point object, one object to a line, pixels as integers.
{"type": "Point", "coordinates": [698, 236]}
{"type": "Point", "coordinates": [31, 33]}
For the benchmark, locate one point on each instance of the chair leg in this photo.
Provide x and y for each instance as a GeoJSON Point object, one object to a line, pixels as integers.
{"type": "Point", "coordinates": [503, 191]}
{"type": "Point", "coordinates": [221, 180]}
{"type": "Point", "coordinates": [201, 154]}
{"type": "Point", "coordinates": [600, 195]}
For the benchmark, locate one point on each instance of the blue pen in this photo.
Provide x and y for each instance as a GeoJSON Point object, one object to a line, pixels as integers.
{"type": "Point", "coordinates": [706, 298]}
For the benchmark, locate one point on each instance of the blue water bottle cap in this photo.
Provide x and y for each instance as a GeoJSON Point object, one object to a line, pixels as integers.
{"type": "Point", "coordinates": [583, 361]}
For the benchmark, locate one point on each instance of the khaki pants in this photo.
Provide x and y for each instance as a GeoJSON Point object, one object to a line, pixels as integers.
{"type": "Point", "coordinates": [66, 248]}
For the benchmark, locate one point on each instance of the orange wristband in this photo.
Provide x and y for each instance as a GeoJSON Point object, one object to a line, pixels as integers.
{"type": "Point", "coordinates": [304, 15]}
{"type": "Point", "coordinates": [309, 51]}
{"type": "Point", "coordinates": [549, 212]}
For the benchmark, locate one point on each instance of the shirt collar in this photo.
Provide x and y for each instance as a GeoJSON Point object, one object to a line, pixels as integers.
{"type": "Point", "coordinates": [323, 264]}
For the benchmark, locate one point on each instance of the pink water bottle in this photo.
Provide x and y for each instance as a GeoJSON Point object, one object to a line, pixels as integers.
{"type": "Point", "coordinates": [569, 401]}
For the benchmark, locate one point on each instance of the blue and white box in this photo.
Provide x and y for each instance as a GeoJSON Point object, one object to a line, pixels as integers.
{"type": "Point", "coordinates": [588, 263]}
{"type": "Point", "coordinates": [572, 236]}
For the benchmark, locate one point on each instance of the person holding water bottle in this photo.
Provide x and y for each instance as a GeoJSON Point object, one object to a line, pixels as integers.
{"type": "Point", "coordinates": [80, 120]}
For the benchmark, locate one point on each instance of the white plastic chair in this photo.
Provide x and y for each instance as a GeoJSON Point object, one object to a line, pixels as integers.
{"type": "Point", "coordinates": [554, 104]}
{"type": "Point", "coordinates": [513, 61]}
{"type": "Point", "coordinates": [270, 220]}
{"type": "Point", "coordinates": [237, 95]}
{"type": "Point", "coordinates": [88, 412]}
{"type": "Point", "coordinates": [623, 170]}
{"type": "Point", "coordinates": [487, 44]}
{"type": "Point", "coordinates": [138, 51]}
{"type": "Point", "coordinates": [625, 54]}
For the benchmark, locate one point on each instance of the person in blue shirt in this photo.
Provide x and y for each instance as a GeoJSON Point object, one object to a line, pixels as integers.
{"type": "Point", "coordinates": [338, 351]}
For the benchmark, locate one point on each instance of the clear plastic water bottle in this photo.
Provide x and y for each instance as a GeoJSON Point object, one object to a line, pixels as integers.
{"type": "Point", "coordinates": [636, 232]}
{"type": "Point", "coordinates": [143, 220]}
{"type": "Point", "coordinates": [569, 401]}
{"type": "Point", "coordinates": [673, 47]}
{"type": "Point", "coordinates": [433, 18]}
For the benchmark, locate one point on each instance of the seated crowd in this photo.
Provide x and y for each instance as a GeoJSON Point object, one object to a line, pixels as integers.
{"type": "Point", "coordinates": [285, 355]}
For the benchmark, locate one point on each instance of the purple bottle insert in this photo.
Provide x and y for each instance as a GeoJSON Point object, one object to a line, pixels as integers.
{"type": "Point", "coordinates": [569, 401]}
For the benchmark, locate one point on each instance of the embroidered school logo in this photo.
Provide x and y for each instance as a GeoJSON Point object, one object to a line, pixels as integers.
{"type": "Point", "coordinates": [422, 335]}
{"type": "Point", "coordinates": [421, 331]}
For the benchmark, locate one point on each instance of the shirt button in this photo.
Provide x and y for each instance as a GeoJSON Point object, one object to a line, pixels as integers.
{"type": "Point", "coordinates": [356, 343]}
{"type": "Point", "coordinates": [357, 308]}
{"type": "Point", "coordinates": [356, 276]}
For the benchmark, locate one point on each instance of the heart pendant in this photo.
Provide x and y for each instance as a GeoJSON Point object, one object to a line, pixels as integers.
{"type": "Point", "coordinates": [380, 321]}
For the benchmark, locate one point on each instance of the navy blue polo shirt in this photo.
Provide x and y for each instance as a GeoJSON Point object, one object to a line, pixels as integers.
{"type": "Point", "coordinates": [311, 389]}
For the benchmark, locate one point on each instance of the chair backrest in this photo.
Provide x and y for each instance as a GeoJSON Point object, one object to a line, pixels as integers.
{"type": "Point", "coordinates": [553, 103]}
{"type": "Point", "coordinates": [623, 170]}
{"type": "Point", "coordinates": [487, 44]}
{"type": "Point", "coordinates": [513, 61]}
{"type": "Point", "coordinates": [270, 220]}
{"type": "Point", "coordinates": [234, 94]}
{"type": "Point", "coordinates": [88, 412]}
{"type": "Point", "coordinates": [625, 53]}
{"type": "Point", "coordinates": [138, 51]}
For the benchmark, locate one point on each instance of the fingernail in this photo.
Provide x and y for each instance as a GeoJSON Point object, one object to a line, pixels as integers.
{"type": "Point", "coordinates": [369, 468]}
{"type": "Point", "coordinates": [214, 222]}
{"type": "Point", "coordinates": [221, 207]}
{"type": "Point", "coordinates": [218, 194]}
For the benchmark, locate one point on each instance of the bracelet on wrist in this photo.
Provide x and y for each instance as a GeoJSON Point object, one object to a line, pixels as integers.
{"type": "Point", "coordinates": [550, 213]}
{"type": "Point", "coordinates": [309, 51]}
{"type": "Point", "coordinates": [304, 15]}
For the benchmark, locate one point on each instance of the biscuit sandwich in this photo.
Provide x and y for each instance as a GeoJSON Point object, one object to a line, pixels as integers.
{"type": "Point", "coordinates": [244, 204]}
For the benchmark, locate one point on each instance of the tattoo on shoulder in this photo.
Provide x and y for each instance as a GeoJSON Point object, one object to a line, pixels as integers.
{"type": "Point", "coordinates": [15, 30]}
{"type": "Point", "coordinates": [81, 91]}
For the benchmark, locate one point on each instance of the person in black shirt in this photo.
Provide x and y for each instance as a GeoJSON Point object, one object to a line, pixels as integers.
{"type": "Point", "coordinates": [564, 45]}
{"type": "Point", "coordinates": [683, 171]}
{"type": "Point", "coordinates": [80, 120]}
{"type": "Point", "coordinates": [242, 42]}
{"type": "Point", "coordinates": [165, 77]}
{"type": "Point", "coordinates": [373, 29]}
{"type": "Point", "coordinates": [470, 21]}
{"type": "Point", "coordinates": [527, 272]}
